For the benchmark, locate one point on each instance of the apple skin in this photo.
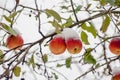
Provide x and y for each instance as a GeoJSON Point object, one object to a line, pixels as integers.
{"type": "Point", "coordinates": [114, 46]}
{"type": "Point", "coordinates": [14, 41]}
{"type": "Point", "coordinates": [74, 46]}
{"type": "Point", "coordinates": [57, 45]}
{"type": "Point", "coordinates": [116, 77]}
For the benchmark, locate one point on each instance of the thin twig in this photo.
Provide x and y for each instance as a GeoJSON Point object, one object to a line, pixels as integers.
{"type": "Point", "coordinates": [45, 71]}
{"type": "Point", "coordinates": [39, 21]}
{"type": "Point", "coordinates": [105, 57]}
{"type": "Point", "coordinates": [5, 9]}
{"type": "Point", "coordinates": [74, 10]}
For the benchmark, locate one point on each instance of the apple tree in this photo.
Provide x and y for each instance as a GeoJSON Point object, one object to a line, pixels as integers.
{"type": "Point", "coordinates": [59, 39]}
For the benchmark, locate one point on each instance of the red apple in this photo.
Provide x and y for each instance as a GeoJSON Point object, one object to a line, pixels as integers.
{"type": "Point", "coordinates": [57, 45]}
{"type": "Point", "coordinates": [114, 46]}
{"type": "Point", "coordinates": [14, 41]}
{"type": "Point", "coordinates": [116, 77]}
{"type": "Point", "coordinates": [74, 46]}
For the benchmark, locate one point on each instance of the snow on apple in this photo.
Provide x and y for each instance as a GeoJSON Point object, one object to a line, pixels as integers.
{"type": "Point", "coordinates": [116, 70]}
{"type": "Point", "coordinates": [70, 33]}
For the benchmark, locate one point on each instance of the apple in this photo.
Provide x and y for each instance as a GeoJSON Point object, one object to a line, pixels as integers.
{"type": "Point", "coordinates": [14, 41]}
{"type": "Point", "coordinates": [72, 39]}
{"type": "Point", "coordinates": [116, 77]}
{"type": "Point", "coordinates": [74, 46]}
{"type": "Point", "coordinates": [57, 45]}
{"type": "Point", "coordinates": [114, 46]}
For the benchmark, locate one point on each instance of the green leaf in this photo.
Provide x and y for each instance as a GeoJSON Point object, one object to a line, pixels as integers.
{"type": "Point", "coordinates": [97, 65]}
{"type": "Point", "coordinates": [89, 28]}
{"type": "Point", "coordinates": [103, 2]}
{"type": "Point", "coordinates": [59, 65]}
{"type": "Point", "coordinates": [88, 58]}
{"type": "Point", "coordinates": [32, 61]}
{"type": "Point", "coordinates": [105, 24]}
{"type": "Point", "coordinates": [84, 38]}
{"type": "Point", "coordinates": [88, 50]}
{"type": "Point", "coordinates": [68, 22]}
{"type": "Point", "coordinates": [53, 13]}
{"type": "Point", "coordinates": [92, 30]}
{"type": "Point", "coordinates": [17, 71]}
{"type": "Point", "coordinates": [68, 62]}
{"type": "Point", "coordinates": [45, 58]}
{"type": "Point", "coordinates": [15, 13]}
{"type": "Point", "coordinates": [55, 76]}
{"type": "Point", "coordinates": [117, 3]}
{"type": "Point", "coordinates": [1, 52]}
{"type": "Point", "coordinates": [7, 18]}
{"type": "Point", "coordinates": [78, 8]}
{"type": "Point", "coordinates": [56, 25]}
{"type": "Point", "coordinates": [9, 29]}
{"type": "Point", "coordinates": [111, 2]}
{"type": "Point", "coordinates": [64, 7]}
{"type": "Point", "coordinates": [1, 57]}
{"type": "Point", "coordinates": [88, 6]}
